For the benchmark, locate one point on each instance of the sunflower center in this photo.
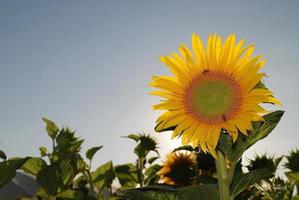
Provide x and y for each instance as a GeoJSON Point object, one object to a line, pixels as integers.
{"type": "Point", "coordinates": [213, 97]}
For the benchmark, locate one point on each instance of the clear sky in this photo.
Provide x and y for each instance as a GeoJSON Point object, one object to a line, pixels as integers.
{"type": "Point", "coordinates": [87, 65]}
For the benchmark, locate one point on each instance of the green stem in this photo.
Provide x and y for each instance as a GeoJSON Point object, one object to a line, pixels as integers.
{"type": "Point", "coordinates": [89, 178]}
{"type": "Point", "coordinates": [224, 178]}
{"type": "Point", "coordinates": [139, 171]}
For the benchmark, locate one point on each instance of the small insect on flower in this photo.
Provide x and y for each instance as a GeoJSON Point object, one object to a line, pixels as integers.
{"type": "Point", "coordinates": [179, 169]}
{"type": "Point", "coordinates": [212, 89]}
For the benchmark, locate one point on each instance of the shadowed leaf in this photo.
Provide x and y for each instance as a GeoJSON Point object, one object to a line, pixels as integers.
{"type": "Point", "coordinates": [34, 165]}
{"type": "Point", "coordinates": [185, 147]}
{"type": "Point", "coordinates": [127, 175]}
{"type": "Point", "coordinates": [243, 181]}
{"type": "Point", "coordinates": [234, 151]}
{"type": "Point", "coordinates": [104, 175]}
{"type": "Point", "coordinates": [48, 178]}
{"type": "Point", "coordinates": [2, 155]}
{"type": "Point", "coordinates": [92, 151]}
{"type": "Point", "coordinates": [8, 169]}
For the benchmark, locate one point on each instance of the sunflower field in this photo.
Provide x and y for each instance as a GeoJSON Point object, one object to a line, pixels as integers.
{"type": "Point", "coordinates": [214, 103]}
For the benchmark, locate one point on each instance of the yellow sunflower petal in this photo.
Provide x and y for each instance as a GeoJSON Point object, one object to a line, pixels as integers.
{"type": "Point", "coordinates": [212, 88]}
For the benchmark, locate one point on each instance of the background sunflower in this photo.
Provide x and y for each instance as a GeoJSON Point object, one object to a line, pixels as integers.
{"type": "Point", "coordinates": [179, 169]}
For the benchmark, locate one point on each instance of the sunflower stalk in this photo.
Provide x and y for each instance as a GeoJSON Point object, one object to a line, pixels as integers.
{"type": "Point", "coordinates": [140, 167]}
{"type": "Point", "coordinates": [224, 177]}
{"type": "Point", "coordinates": [91, 185]}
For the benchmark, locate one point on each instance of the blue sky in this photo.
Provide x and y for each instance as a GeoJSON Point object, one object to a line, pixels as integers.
{"type": "Point", "coordinates": [87, 65]}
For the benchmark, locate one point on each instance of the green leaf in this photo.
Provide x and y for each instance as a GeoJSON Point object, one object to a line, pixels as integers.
{"type": "Point", "coordinates": [91, 152]}
{"type": "Point", "coordinates": [161, 187]}
{"type": "Point", "coordinates": [2, 155]}
{"type": "Point", "coordinates": [79, 162]}
{"type": "Point", "coordinates": [155, 192]}
{"type": "Point", "coordinates": [185, 147]}
{"type": "Point", "coordinates": [295, 197]}
{"type": "Point", "coordinates": [43, 151]}
{"type": "Point", "coordinates": [42, 194]}
{"type": "Point", "coordinates": [104, 175]}
{"type": "Point", "coordinates": [48, 178]}
{"type": "Point", "coordinates": [260, 131]}
{"type": "Point", "coordinates": [199, 192]}
{"type": "Point", "coordinates": [152, 159]}
{"type": "Point", "coordinates": [51, 128]}
{"type": "Point", "coordinates": [34, 165]}
{"type": "Point", "coordinates": [205, 179]}
{"type": "Point", "coordinates": [293, 176]}
{"type": "Point", "coordinates": [162, 129]}
{"type": "Point", "coordinates": [66, 173]}
{"type": "Point", "coordinates": [71, 194]}
{"type": "Point", "coordinates": [134, 137]}
{"type": "Point", "coordinates": [163, 192]}
{"type": "Point", "coordinates": [8, 169]}
{"type": "Point", "coordinates": [151, 174]}
{"type": "Point", "coordinates": [242, 181]}
{"type": "Point", "coordinates": [127, 175]}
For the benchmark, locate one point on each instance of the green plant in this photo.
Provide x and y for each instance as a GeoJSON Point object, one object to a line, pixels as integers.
{"type": "Point", "coordinates": [143, 172]}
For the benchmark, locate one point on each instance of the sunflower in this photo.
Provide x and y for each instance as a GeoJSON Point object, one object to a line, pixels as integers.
{"type": "Point", "coordinates": [213, 89]}
{"type": "Point", "coordinates": [264, 161]}
{"type": "Point", "coordinates": [179, 169]}
{"type": "Point", "coordinates": [293, 161]}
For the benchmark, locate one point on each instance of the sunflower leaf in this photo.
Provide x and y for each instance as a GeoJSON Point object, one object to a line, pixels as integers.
{"type": "Point", "coordinates": [48, 178]}
{"type": "Point", "coordinates": [138, 194]}
{"type": "Point", "coordinates": [293, 176]}
{"type": "Point", "coordinates": [152, 159]}
{"type": "Point", "coordinates": [243, 181]}
{"type": "Point", "coordinates": [153, 192]}
{"type": "Point", "coordinates": [2, 155]}
{"type": "Point", "coordinates": [151, 174]}
{"type": "Point", "coordinates": [8, 169]}
{"type": "Point", "coordinates": [92, 151]}
{"type": "Point", "coordinates": [199, 192]}
{"type": "Point", "coordinates": [205, 179]}
{"type": "Point", "coordinates": [295, 197]}
{"type": "Point", "coordinates": [234, 151]}
{"type": "Point", "coordinates": [127, 175]}
{"type": "Point", "coordinates": [34, 165]}
{"type": "Point", "coordinates": [104, 175]}
{"type": "Point", "coordinates": [185, 147]}
{"type": "Point", "coordinates": [157, 129]}
{"type": "Point", "coordinates": [71, 194]}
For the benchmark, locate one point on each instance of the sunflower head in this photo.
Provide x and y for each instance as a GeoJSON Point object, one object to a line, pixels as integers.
{"type": "Point", "coordinates": [263, 161]}
{"type": "Point", "coordinates": [293, 161]}
{"type": "Point", "coordinates": [213, 88]}
{"type": "Point", "coordinates": [179, 169]}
